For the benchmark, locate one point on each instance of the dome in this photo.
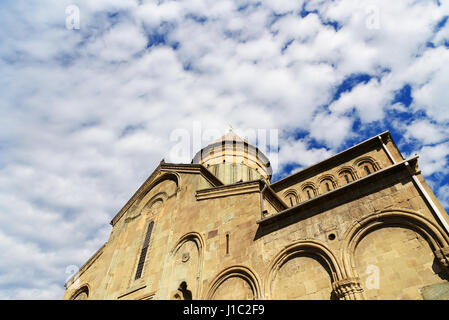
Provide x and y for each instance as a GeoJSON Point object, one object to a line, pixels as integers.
{"type": "Point", "coordinates": [232, 159]}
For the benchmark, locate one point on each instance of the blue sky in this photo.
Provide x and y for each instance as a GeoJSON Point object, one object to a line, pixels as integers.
{"type": "Point", "coordinates": [86, 114]}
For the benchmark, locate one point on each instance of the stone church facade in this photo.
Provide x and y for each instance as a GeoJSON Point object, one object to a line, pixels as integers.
{"type": "Point", "coordinates": [362, 224]}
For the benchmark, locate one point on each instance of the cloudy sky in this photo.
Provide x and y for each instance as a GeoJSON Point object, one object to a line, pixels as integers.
{"type": "Point", "coordinates": [88, 111]}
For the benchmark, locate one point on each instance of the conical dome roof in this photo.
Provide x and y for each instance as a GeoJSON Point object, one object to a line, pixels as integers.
{"type": "Point", "coordinates": [230, 136]}
{"type": "Point", "coordinates": [233, 159]}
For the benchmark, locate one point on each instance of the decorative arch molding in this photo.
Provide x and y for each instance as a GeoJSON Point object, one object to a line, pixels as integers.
{"type": "Point", "coordinates": [198, 239]}
{"type": "Point", "coordinates": [308, 184]}
{"type": "Point", "coordinates": [290, 192]}
{"type": "Point", "coordinates": [82, 289]}
{"type": "Point", "coordinates": [172, 176]}
{"type": "Point", "coordinates": [190, 236]}
{"type": "Point", "coordinates": [310, 247]}
{"type": "Point", "coordinates": [329, 177]}
{"type": "Point", "coordinates": [294, 193]}
{"type": "Point", "coordinates": [137, 204]}
{"type": "Point", "coordinates": [161, 196]}
{"type": "Point", "coordinates": [368, 159]}
{"type": "Point", "coordinates": [239, 271]}
{"type": "Point", "coordinates": [143, 191]}
{"type": "Point", "coordinates": [312, 186]}
{"type": "Point", "coordinates": [349, 169]}
{"type": "Point", "coordinates": [431, 232]}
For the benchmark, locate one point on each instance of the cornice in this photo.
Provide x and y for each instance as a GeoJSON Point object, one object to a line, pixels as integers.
{"type": "Point", "coordinates": [131, 291]}
{"type": "Point", "coordinates": [192, 168]}
{"type": "Point", "coordinates": [243, 188]}
{"type": "Point", "coordinates": [228, 190]}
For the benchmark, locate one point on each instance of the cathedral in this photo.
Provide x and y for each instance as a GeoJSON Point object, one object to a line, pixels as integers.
{"type": "Point", "coordinates": [362, 224]}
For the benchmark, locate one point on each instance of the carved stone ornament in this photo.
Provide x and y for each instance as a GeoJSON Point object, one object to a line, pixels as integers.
{"type": "Point", "coordinates": [185, 257]}
{"type": "Point", "coordinates": [443, 257]}
{"type": "Point", "coordinates": [347, 288]}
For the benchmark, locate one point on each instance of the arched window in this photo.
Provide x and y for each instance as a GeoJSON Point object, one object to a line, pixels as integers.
{"type": "Point", "coordinates": [346, 177]}
{"type": "Point", "coordinates": [326, 185]}
{"type": "Point", "coordinates": [143, 252]}
{"type": "Point", "coordinates": [291, 198]}
{"type": "Point", "coordinates": [366, 168]}
{"type": "Point", "coordinates": [309, 192]}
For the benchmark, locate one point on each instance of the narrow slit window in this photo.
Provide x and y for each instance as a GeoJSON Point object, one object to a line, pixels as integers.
{"type": "Point", "coordinates": [144, 250]}
{"type": "Point", "coordinates": [308, 194]}
{"type": "Point", "coordinates": [346, 178]}
{"type": "Point", "coordinates": [227, 243]}
{"type": "Point", "coordinates": [291, 201]}
{"type": "Point", "coordinates": [368, 171]}
{"type": "Point", "coordinates": [327, 186]}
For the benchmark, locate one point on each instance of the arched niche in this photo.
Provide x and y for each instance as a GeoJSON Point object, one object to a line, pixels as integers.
{"type": "Point", "coordinates": [394, 254]}
{"type": "Point", "coordinates": [327, 183]}
{"type": "Point", "coordinates": [291, 197]}
{"type": "Point", "coordinates": [366, 166]}
{"type": "Point", "coordinates": [187, 262]}
{"type": "Point", "coordinates": [235, 283]}
{"type": "Point", "coordinates": [346, 175]}
{"type": "Point", "coordinates": [309, 190]}
{"type": "Point", "coordinates": [302, 271]}
{"type": "Point", "coordinates": [154, 206]}
{"type": "Point", "coordinates": [161, 189]}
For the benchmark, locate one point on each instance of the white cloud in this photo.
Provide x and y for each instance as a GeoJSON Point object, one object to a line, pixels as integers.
{"type": "Point", "coordinates": [443, 195]}
{"type": "Point", "coordinates": [433, 159]}
{"type": "Point", "coordinates": [152, 14]}
{"type": "Point", "coordinates": [283, 6]}
{"type": "Point", "coordinates": [299, 152]}
{"type": "Point", "coordinates": [442, 36]}
{"type": "Point", "coordinates": [426, 132]}
{"type": "Point", "coordinates": [119, 43]}
{"type": "Point", "coordinates": [292, 28]}
{"type": "Point", "coordinates": [331, 129]}
{"type": "Point", "coordinates": [368, 99]}
{"type": "Point", "coordinates": [433, 96]}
